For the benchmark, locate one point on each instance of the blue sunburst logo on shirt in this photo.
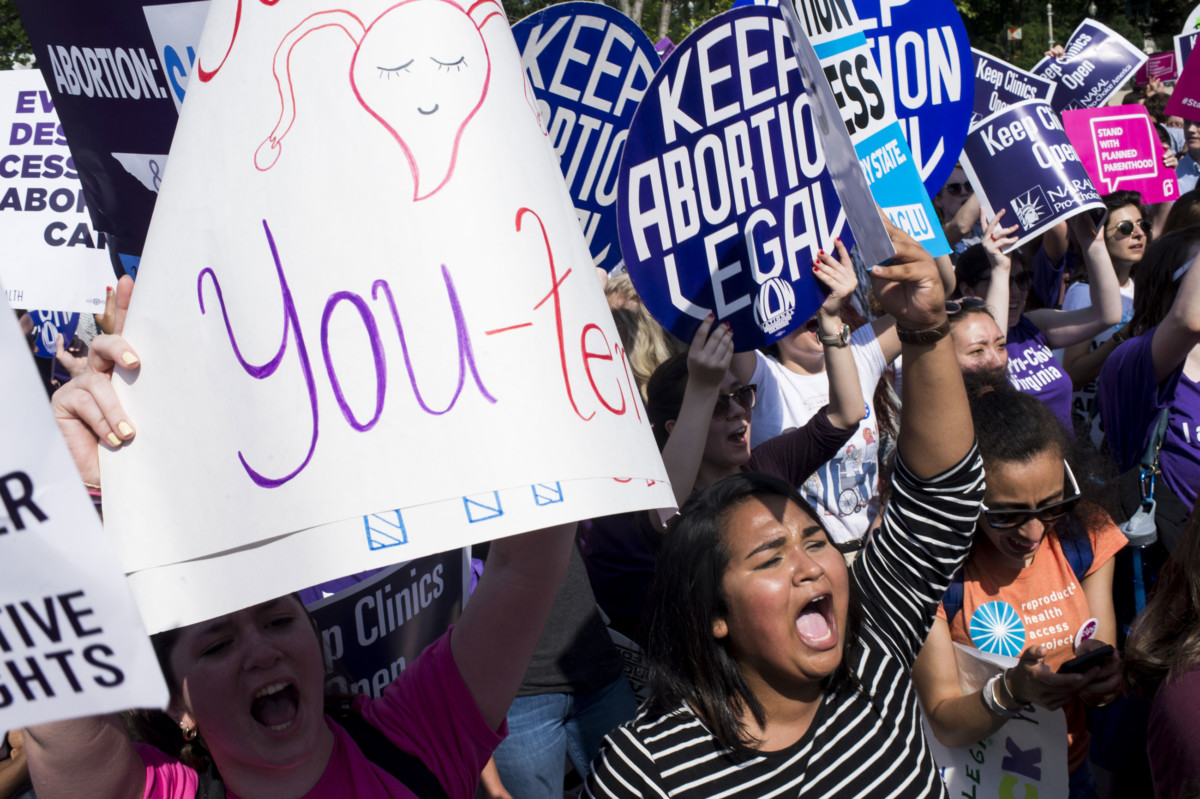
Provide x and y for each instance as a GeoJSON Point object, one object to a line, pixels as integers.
{"type": "Point", "coordinates": [996, 628]}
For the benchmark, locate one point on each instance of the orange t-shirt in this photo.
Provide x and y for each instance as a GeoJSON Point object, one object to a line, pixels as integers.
{"type": "Point", "coordinates": [1010, 610]}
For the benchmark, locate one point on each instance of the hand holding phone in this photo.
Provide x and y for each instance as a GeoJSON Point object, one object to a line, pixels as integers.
{"type": "Point", "coordinates": [1085, 662]}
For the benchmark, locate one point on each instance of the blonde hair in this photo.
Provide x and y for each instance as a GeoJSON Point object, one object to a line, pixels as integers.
{"type": "Point", "coordinates": [646, 342]}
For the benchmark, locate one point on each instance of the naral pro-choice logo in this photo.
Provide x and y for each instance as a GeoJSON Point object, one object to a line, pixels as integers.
{"type": "Point", "coordinates": [1031, 207]}
{"type": "Point", "coordinates": [775, 304]}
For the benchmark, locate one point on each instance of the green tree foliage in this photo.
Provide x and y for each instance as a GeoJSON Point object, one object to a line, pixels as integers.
{"type": "Point", "coordinates": [14, 44]}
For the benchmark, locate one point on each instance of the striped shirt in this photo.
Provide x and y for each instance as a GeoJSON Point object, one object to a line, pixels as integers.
{"type": "Point", "coordinates": [861, 743]}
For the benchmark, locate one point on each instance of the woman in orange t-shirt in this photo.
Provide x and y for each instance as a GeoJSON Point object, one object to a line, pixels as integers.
{"type": "Point", "coordinates": [1020, 594]}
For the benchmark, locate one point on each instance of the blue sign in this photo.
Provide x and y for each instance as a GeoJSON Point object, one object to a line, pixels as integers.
{"type": "Point", "coordinates": [999, 85]}
{"type": "Point", "coordinates": [724, 198]}
{"type": "Point", "coordinates": [50, 325]}
{"type": "Point", "coordinates": [1021, 160]}
{"type": "Point", "coordinates": [1097, 63]}
{"type": "Point", "coordinates": [1184, 44]}
{"type": "Point", "coordinates": [922, 50]}
{"type": "Point", "coordinates": [589, 66]}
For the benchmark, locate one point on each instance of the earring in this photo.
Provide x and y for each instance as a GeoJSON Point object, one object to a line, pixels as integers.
{"type": "Point", "coordinates": [189, 733]}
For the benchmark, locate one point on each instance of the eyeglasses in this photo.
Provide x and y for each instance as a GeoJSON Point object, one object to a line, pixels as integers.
{"type": "Point", "coordinates": [1008, 518]}
{"type": "Point", "coordinates": [959, 189]}
{"type": "Point", "coordinates": [955, 307]}
{"type": "Point", "coordinates": [1126, 227]}
{"type": "Point", "coordinates": [744, 397]}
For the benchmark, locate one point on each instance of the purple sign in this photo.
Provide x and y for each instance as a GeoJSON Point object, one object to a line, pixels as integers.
{"type": "Point", "coordinates": [1184, 44]}
{"type": "Point", "coordinates": [999, 85]}
{"type": "Point", "coordinates": [589, 66]}
{"type": "Point", "coordinates": [1185, 100]}
{"type": "Point", "coordinates": [1097, 62]}
{"type": "Point", "coordinates": [1120, 149]}
{"type": "Point", "coordinates": [725, 195]}
{"type": "Point", "coordinates": [664, 47]}
{"type": "Point", "coordinates": [1020, 160]}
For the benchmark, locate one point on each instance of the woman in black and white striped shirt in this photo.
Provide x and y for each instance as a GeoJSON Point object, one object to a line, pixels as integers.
{"type": "Point", "coordinates": [775, 669]}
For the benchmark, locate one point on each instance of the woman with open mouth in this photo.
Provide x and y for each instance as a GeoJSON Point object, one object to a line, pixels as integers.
{"type": "Point", "coordinates": [775, 669]}
{"type": "Point", "coordinates": [248, 702]}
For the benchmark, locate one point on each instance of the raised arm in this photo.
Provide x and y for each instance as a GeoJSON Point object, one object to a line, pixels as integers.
{"type": "Point", "coordinates": [995, 239]}
{"type": "Point", "coordinates": [846, 405]}
{"type": "Point", "coordinates": [1064, 328]}
{"type": "Point", "coordinates": [498, 630]}
{"type": "Point", "coordinates": [708, 362]}
{"type": "Point", "coordinates": [936, 431]}
{"type": "Point", "coordinates": [1179, 332]}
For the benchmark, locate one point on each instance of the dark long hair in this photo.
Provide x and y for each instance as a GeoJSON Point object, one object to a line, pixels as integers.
{"type": "Point", "coordinates": [687, 663]}
{"type": "Point", "coordinates": [1154, 289]}
{"type": "Point", "coordinates": [1165, 642]}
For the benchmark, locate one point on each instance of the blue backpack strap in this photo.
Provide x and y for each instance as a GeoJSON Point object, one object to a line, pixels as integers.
{"type": "Point", "coordinates": [1078, 550]}
{"type": "Point", "coordinates": [952, 602]}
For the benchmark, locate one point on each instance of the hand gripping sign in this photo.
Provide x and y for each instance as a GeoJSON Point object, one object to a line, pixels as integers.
{"type": "Point", "coordinates": [367, 292]}
{"type": "Point", "coordinates": [1021, 160]}
{"type": "Point", "coordinates": [1120, 149]}
{"type": "Point", "coordinates": [589, 66]}
{"type": "Point", "coordinates": [71, 642]}
{"type": "Point", "coordinates": [724, 197]}
{"type": "Point", "coordinates": [1097, 63]}
{"type": "Point", "coordinates": [999, 85]}
{"type": "Point", "coordinates": [51, 256]}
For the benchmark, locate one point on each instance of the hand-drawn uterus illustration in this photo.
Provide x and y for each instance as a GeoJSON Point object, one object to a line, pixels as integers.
{"type": "Point", "coordinates": [421, 69]}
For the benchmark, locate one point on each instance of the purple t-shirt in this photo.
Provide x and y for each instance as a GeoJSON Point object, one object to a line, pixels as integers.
{"type": "Point", "coordinates": [1130, 400]}
{"type": "Point", "coordinates": [427, 711]}
{"type": "Point", "coordinates": [1034, 370]}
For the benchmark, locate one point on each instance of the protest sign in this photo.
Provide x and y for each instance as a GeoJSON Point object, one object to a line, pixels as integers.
{"type": "Point", "coordinates": [1000, 85]}
{"type": "Point", "coordinates": [117, 73]}
{"type": "Point", "coordinates": [1192, 23]}
{"type": "Point", "coordinates": [1098, 61]}
{"type": "Point", "coordinates": [48, 326]}
{"type": "Point", "coordinates": [1185, 100]}
{"type": "Point", "coordinates": [589, 66]}
{"type": "Point", "coordinates": [1120, 149]}
{"type": "Point", "coordinates": [923, 53]}
{"type": "Point", "coordinates": [1184, 44]}
{"type": "Point", "coordinates": [725, 197]}
{"type": "Point", "coordinates": [1019, 759]}
{"type": "Point", "coordinates": [332, 230]}
{"type": "Point", "coordinates": [1160, 66]}
{"type": "Point", "coordinates": [371, 631]}
{"type": "Point", "coordinates": [1020, 159]}
{"type": "Point", "coordinates": [51, 258]}
{"type": "Point", "coordinates": [71, 642]}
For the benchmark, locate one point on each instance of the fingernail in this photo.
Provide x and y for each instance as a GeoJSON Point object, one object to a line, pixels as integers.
{"type": "Point", "coordinates": [816, 267]}
{"type": "Point", "coordinates": [710, 316]}
{"type": "Point", "coordinates": [820, 252]}
{"type": "Point", "coordinates": [125, 429]}
{"type": "Point", "coordinates": [112, 439]}
{"type": "Point", "coordinates": [108, 289]}
{"type": "Point", "coordinates": [128, 358]}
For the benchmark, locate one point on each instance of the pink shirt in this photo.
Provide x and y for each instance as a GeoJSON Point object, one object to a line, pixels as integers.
{"type": "Point", "coordinates": [427, 711]}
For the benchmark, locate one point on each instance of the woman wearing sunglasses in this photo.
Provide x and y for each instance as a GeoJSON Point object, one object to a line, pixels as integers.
{"type": "Point", "coordinates": [1126, 236]}
{"type": "Point", "coordinates": [986, 272]}
{"type": "Point", "coordinates": [958, 209]}
{"type": "Point", "coordinates": [1043, 561]}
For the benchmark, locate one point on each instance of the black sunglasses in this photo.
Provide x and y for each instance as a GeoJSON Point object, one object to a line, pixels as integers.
{"type": "Point", "coordinates": [1126, 227]}
{"type": "Point", "coordinates": [955, 307]}
{"type": "Point", "coordinates": [959, 189]}
{"type": "Point", "coordinates": [744, 397]}
{"type": "Point", "coordinates": [1008, 518]}
{"type": "Point", "coordinates": [1022, 281]}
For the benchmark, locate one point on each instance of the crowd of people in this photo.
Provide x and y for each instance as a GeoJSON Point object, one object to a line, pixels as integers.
{"type": "Point", "coordinates": [836, 537]}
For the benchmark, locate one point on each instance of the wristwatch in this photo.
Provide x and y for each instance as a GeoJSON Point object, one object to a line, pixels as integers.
{"type": "Point", "coordinates": [1119, 337]}
{"type": "Point", "coordinates": [927, 336]}
{"type": "Point", "coordinates": [840, 340]}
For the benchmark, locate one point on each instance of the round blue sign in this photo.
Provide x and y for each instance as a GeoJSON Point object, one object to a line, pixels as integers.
{"type": "Point", "coordinates": [589, 66]}
{"type": "Point", "coordinates": [996, 628]}
{"type": "Point", "coordinates": [724, 197]}
{"type": "Point", "coordinates": [922, 50]}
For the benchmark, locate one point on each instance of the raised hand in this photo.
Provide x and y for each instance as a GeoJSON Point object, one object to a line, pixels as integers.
{"type": "Point", "coordinates": [909, 287]}
{"type": "Point", "coordinates": [86, 408]}
{"type": "Point", "coordinates": [837, 275]}
{"type": "Point", "coordinates": [710, 353]}
{"type": "Point", "coordinates": [996, 238]}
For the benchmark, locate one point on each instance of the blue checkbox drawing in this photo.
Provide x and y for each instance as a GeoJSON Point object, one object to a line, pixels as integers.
{"type": "Point", "coordinates": [385, 530]}
{"type": "Point", "coordinates": [482, 507]}
{"type": "Point", "coordinates": [547, 493]}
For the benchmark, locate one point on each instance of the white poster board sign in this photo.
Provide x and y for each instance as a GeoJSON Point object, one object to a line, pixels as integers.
{"type": "Point", "coordinates": [50, 257]}
{"type": "Point", "coordinates": [365, 311]}
{"type": "Point", "coordinates": [71, 641]}
{"type": "Point", "coordinates": [1022, 758]}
